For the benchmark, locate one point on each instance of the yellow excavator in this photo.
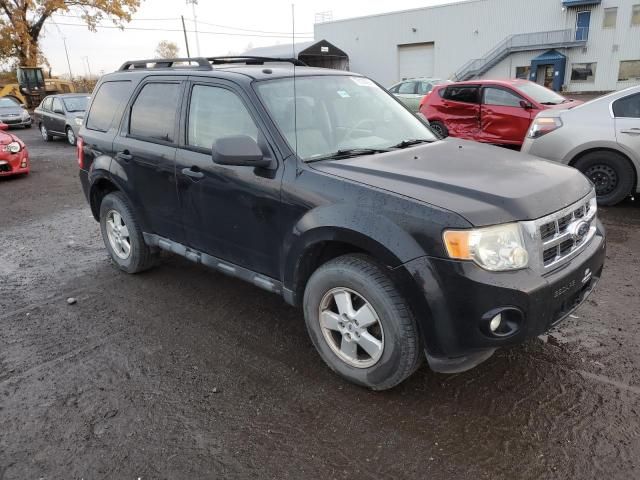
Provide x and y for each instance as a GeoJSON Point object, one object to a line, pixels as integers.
{"type": "Point", "coordinates": [32, 86]}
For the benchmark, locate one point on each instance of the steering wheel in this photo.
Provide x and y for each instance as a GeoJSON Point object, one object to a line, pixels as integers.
{"type": "Point", "coordinates": [357, 126]}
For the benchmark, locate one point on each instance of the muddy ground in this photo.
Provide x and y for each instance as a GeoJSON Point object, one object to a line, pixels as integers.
{"type": "Point", "coordinates": [185, 373]}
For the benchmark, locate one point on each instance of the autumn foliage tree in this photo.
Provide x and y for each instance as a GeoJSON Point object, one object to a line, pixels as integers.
{"type": "Point", "coordinates": [21, 22]}
{"type": "Point", "coordinates": [167, 49]}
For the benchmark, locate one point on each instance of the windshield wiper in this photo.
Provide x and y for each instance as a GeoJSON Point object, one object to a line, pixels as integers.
{"type": "Point", "coordinates": [348, 153]}
{"type": "Point", "coordinates": [410, 143]}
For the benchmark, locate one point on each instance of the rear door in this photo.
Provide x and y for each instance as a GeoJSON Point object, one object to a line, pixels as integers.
{"type": "Point", "coordinates": [460, 110]}
{"type": "Point", "coordinates": [627, 123]}
{"type": "Point", "coordinates": [503, 120]}
{"type": "Point", "coordinates": [145, 152]}
{"type": "Point", "coordinates": [407, 94]}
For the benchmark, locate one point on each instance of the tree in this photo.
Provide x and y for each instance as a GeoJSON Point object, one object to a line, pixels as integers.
{"type": "Point", "coordinates": [21, 22]}
{"type": "Point", "coordinates": [167, 49]}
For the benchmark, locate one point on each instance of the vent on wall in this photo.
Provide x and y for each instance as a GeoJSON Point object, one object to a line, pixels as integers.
{"type": "Point", "coordinates": [584, 49]}
{"type": "Point", "coordinates": [615, 48]}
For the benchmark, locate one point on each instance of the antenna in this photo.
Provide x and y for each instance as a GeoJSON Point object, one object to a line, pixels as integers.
{"type": "Point", "coordinates": [295, 95]}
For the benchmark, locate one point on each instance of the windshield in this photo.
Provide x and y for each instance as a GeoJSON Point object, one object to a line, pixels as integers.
{"type": "Point", "coordinates": [75, 104]}
{"type": "Point", "coordinates": [8, 102]}
{"type": "Point", "coordinates": [339, 113]}
{"type": "Point", "coordinates": [541, 94]}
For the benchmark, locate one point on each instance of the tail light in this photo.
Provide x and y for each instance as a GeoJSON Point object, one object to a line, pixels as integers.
{"type": "Point", "coordinates": [542, 126]}
{"type": "Point", "coordinates": [80, 151]}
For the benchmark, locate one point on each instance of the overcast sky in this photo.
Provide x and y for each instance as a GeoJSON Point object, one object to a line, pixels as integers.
{"type": "Point", "coordinates": [159, 20]}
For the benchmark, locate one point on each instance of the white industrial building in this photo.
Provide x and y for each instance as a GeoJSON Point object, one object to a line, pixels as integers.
{"type": "Point", "coordinates": [573, 45]}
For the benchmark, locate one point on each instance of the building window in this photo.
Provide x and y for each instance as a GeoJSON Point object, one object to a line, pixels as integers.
{"type": "Point", "coordinates": [635, 15]}
{"type": "Point", "coordinates": [523, 72]}
{"type": "Point", "coordinates": [583, 72]}
{"type": "Point", "coordinates": [610, 16]}
{"type": "Point", "coordinates": [629, 70]}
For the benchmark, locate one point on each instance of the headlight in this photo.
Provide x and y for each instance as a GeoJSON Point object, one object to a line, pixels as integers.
{"type": "Point", "coordinates": [496, 248]}
{"type": "Point", "coordinates": [25, 115]}
{"type": "Point", "coordinates": [78, 121]}
{"type": "Point", "coordinates": [13, 147]}
{"type": "Point", "coordinates": [542, 126]}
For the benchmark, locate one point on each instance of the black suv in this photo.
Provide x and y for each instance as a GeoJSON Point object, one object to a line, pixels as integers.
{"type": "Point", "coordinates": [320, 186]}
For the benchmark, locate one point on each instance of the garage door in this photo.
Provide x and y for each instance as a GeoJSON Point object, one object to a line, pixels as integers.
{"type": "Point", "coordinates": [415, 60]}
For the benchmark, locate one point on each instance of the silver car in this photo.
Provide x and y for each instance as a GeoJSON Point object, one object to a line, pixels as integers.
{"type": "Point", "coordinates": [601, 138]}
{"type": "Point", "coordinates": [13, 113]}
{"type": "Point", "coordinates": [412, 90]}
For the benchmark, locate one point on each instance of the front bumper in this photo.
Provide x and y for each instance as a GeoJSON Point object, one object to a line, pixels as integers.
{"type": "Point", "coordinates": [12, 163]}
{"type": "Point", "coordinates": [17, 122]}
{"type": "Point", "coordinates": [460, 295]}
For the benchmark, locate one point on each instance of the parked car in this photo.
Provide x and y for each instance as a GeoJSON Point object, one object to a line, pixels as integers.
{"type": "Point", "coordinates": [412, 90]}
{"type": "Point", "coordinates": [61, 116]}
{"type": "Point", "coordinates": [490, 111]}
{"type": "Point", "coordinates": [600, 138]}
{"type": "Point", "coordinates": [394, 243]}
{"type": "Point", "coordinates": [14, 156]}
{"type": "Point", "coordinates": [13, 113]}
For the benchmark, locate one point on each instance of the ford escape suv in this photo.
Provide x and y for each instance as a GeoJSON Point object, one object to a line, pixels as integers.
{"type": "Point", "coordinates": [319, 186]}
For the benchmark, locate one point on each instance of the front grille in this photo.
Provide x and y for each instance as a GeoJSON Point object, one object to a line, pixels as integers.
{"type": "Point", "coordinates": [556, 237]}
{"type": "Point", "coordinates": [5, 167]}
{"type": "Point", "coordinates": [11, 121]}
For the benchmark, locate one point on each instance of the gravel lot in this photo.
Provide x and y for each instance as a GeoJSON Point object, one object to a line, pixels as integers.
{"type": "Point", "coordinates": [182, 372]}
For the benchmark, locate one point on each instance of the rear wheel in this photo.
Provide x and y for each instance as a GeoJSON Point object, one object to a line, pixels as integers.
{"type": "Point", "coordinates": [439, 128]}
{"type": "Point", "coordinates": [122, 235]}
{"type": "Point", "coordinates": [360, 324]}
{"type": "Point", "coordinates": [611, 173]}
{"type": "Point", "coordinates": [45, 134]}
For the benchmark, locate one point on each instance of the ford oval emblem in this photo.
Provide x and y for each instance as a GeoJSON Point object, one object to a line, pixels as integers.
{"type": "Point", "coordinates": [580, 230]}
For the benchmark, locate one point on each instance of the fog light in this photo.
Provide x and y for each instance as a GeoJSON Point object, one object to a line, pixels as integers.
{"type": "Point", "coordinates": [494, 325]}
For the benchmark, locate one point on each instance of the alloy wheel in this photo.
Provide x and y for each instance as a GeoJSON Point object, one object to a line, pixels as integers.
{"type": "Point", "coordinates": [71, 137]}
{"type": "Point", "coordinates": [118, 235]}
{"type": "Point", "coordinates": [44, 133]}
{"type": "Point", "coordinates": [351, 327]}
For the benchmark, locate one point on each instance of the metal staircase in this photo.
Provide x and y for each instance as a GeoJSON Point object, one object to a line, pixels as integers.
{"type": "Point", "coordinates": [519, 43]}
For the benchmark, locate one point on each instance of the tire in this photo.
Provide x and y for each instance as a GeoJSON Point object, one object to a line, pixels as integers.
{"type": "Point", "coordinates": [139, 256]}
{"type": "Point", "coordinates": [612, 174]}
{"type": "Point", "coordinates": [45, 134]}
{"type": "Point", "coordinates": [27, 126]}
{"type": "Point", "coordinates": [361, 279]}
{"type": "Point", "coordinates": [70, 136]}
{"type": "Point", "coordinates": [439, 128]}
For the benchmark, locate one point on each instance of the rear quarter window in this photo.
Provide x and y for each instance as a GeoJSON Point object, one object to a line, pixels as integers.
{"type": "Point", "coordinates": [108, 101]}
{"type": "Point", "coordinates": [627, 107]}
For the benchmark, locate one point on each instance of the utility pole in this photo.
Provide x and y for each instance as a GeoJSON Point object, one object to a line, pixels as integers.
{"type": "Point", "coordinates": [195, 23]}
{"type": "Point", "coordinates": [66, 51]}
{"type": "Point", "coordinates": [186, 40]}
{"type": "Point", "coordinates": [86, 58]}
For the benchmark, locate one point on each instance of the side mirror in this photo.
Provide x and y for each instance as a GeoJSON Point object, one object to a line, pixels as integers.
{"type": "Point", "coordinates": [526, 105]}
{"type": "Point", "coordinates": [4, 126]}
{"type": "Point", "coordinates": [238, 150]}
{"type": "Point", "coordinates": [23, 105]}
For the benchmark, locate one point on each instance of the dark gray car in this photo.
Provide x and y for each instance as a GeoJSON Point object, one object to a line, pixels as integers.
{"type": "Point", "coordinates": [13, 113]}
{"type": "Point", "coordinates": [61, 116]}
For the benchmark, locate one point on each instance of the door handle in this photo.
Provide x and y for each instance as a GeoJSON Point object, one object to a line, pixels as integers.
{"type": "Point", "coordinates": [124, 155]}
{"type": "Point", "coordinates": [631, 131]}
{"type": "Point", "coordinates": [193, 173]}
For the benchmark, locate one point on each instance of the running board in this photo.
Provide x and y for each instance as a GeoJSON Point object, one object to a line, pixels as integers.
{"type": "Point", "coordinates": [259, 280]}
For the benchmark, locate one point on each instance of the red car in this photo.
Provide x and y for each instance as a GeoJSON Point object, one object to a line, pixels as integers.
{"type": "Point", "coordinates": [490, 111]}
{"type": "Point", "coordinates": [14, 156]}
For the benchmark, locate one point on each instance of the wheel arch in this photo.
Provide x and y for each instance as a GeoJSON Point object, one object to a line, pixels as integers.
{"type": "Point", "coordinates": [102, 184]}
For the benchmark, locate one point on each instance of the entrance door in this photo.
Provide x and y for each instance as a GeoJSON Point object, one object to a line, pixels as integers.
{"type": "Point", "coordinates": [583, 20]}
{"type": "Point", "coordinates": [545, 76]}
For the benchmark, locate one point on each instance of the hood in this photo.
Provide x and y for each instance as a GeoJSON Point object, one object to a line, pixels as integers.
{"type": "Point", "coordinates": [7, 138]}
{"type": "Point", "coordinates": [11, 110]}
{"type": "Point", "coordinates": [486, 185]}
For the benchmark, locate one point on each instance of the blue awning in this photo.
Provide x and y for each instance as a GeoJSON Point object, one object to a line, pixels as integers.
{"type": "Point", "coordinates": [550, 56]}
{"type": "Point", "coordinates": [580, 3]}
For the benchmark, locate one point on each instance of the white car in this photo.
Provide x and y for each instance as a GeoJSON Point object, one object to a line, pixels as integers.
{"type": "Point", "coordinates": [601, 138]}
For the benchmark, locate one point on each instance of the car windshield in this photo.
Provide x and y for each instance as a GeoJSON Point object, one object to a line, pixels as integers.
{"type": "Point", "coordinates": [340, 115]}
{"type": "Point", "coordinates": [8, 102]}
{"type": "Point", "coordinates": [541, 94]}
{"type": "Point", "coordinates": [75, 104]}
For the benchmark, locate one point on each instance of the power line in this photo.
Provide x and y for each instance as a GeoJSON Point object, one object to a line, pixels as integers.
{"type": "Point", "coordinates": [188, 31]}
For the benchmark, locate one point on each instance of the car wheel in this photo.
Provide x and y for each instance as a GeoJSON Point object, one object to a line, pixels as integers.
{"type": "Point", "coordinates": [45, 134]}
{"type": "Point", "coordinates": [611, 173]}
{"type": "Point", "coordinates": [71, 137]}
{"type": "Point", "coordinates": [28, 125]}
{"type": "Point", "coordinates": [122, 235]}
{"type": "Point", "coordinates": [360, 324]}
{"type": "Point", "coordinates": [439, 128]}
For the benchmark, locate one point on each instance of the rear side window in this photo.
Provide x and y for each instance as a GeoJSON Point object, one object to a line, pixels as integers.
{"type": "Point", "coordinates": [407, 88]}
{"type": "Point", "coordinates": [46, 104]}
{"type": "Point", "coordinates": [461, 94]}
{"type": "Point", "coordinates": [153, 114]}
{"type": "Point", "coordinates": [424, 88]}
{"type": "Point", "coordinates": [109, 99]}
{"type": "Point", "coordinates": [501, 97]}
{"type": "Point", "coordinates": [627, 107]}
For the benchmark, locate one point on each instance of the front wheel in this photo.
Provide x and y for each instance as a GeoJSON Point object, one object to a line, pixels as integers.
{"type": "Point", "coordinates": [45, 133]}
{"type": "Point", "coordinates": [360, 324]}
{"type": "Point", "coordinates": [122, 235]}
{"type": "Point", "coordinates": [71, 137]}
{"type": "Point", "coordinates": [611, 173]}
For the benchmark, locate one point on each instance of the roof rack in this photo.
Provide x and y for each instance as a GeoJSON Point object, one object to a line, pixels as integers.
{"type": "Point", "coordinates": [250, 60]}
{"type": "Point", "coordinates": [203, 63]}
